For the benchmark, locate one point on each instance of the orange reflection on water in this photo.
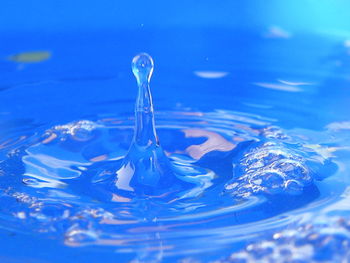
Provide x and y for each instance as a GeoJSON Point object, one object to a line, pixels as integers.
{"type": "Point", "coordinates": [99, 158]}
{"type": "Point", "coordinates": [49, 139]}
{"type": "Point", "coordinates": [120, 199]}
{"type": "Point", "coordinates": [214, 142]}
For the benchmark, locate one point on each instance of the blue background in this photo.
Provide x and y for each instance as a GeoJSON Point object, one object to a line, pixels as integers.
{"type": "Point", "coordinates": [328, 16]}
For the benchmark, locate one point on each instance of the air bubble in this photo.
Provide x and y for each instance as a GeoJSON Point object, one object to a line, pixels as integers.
{"type": "Point", "coordinates": [294, 170]}
{"type": "Point", "coordinates": [272, 181]}
{"type": "Point", "coordinates": [47, 212]}
{"type": "Point", "coordinates": [294, 187]}
{"type": "Point", "coordinates": [82, 130]}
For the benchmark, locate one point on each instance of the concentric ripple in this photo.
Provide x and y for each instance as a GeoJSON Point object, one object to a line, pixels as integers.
{"type": "Point", "coordinates": [54, 184]}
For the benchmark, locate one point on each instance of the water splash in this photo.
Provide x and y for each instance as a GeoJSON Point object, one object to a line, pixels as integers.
{"type": "Point", "coordinates": [145, 164]}
{"type": "Point", "coordinates": [146, 169]}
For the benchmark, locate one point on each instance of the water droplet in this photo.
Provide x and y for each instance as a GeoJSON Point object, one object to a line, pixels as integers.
{"type": "Point", "coordinates": [145, 164]}
{"type": "Point", "coordinates": [146, 169]}
{"type": "Point", "coordinates": [142, 67]}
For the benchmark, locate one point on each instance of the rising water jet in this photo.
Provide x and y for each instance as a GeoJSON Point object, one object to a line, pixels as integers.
{"type": "Point", "coordinates": [145, 167]}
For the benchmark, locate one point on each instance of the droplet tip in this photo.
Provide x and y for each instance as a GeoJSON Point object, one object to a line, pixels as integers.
{"type": "Point", "coordinates": [142, 66]}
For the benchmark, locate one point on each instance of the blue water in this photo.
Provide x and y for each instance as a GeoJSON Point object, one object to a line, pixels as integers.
{"type": "Point", "coordinates": [253, 128]}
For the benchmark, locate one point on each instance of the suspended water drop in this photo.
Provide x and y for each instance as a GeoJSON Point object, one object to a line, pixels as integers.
{"type": "Point", "coordinates": [145, 166]}
{"type": "Point", "coordinates": [146, 169]}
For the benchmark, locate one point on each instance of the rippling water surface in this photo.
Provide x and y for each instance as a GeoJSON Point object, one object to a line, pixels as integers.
{"type": "Point", "coordinates": [257, 122]}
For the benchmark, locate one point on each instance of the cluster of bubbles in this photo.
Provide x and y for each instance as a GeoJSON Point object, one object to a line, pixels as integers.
{"type": "Point", "coordinates": [38, 214]}
{"type": "Point", "coordinates": [273, 132]}
{"type": "Point", "coordinates": [82, 228]}
{"type": "Point", "coordinates": [270, 168]}
{"type": "Point", "coordinates": [276, 165]}
{"type": "Point", "coordinates": [327, 240]}
{"type": "Point", "coordinates": [79, 223]}
{"type": "Point", "coordinates": [79, 130]}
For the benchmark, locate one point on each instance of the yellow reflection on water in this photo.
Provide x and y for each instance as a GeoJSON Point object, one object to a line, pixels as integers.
{"type": "Point", "coordinates": [30, 57]}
